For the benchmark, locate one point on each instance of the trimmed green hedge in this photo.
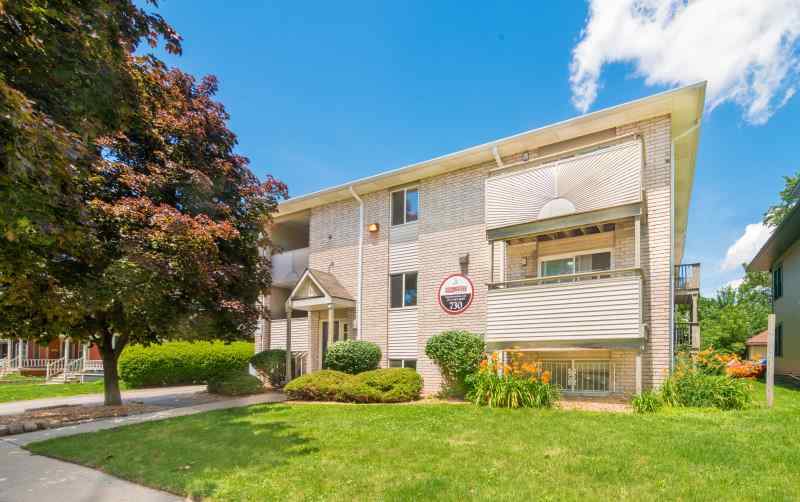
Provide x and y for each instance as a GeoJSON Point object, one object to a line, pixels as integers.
{"type": "Point", "coordinates": [235, 384]}
{"type": "Point", "coordinates": [182, 363]}
{"type": "Point", "coordinates": [353, 356]}
{"type": "Point", "coordinates": [392, 385]}
{"type": "Point", "coordinates": [323, 385]}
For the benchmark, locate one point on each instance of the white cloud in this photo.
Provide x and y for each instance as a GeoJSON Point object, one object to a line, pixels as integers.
{"type": "Point", "coordinates": [746, 49]}
{"type": "Point", "coordinates": [735, 283]}
{"type": "Point", "coordinates": [746, 246]}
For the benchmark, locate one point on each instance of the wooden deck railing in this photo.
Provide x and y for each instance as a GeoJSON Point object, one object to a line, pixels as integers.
{"type": "Point", "coordinates": [687, 276]}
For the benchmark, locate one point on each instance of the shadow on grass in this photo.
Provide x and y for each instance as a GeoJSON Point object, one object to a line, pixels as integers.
{"type": "Point", "coordinates": [202, 452]}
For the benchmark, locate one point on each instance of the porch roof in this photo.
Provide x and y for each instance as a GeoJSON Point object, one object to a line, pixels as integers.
{"type": "Point", "coordinates": [322, 290]}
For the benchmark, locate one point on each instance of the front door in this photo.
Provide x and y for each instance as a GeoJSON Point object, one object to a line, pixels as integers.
{"type": "Point", "coordinates": [329, 336]}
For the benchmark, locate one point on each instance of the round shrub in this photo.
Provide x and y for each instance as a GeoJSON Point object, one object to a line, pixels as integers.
{"type": "Point", "coordinates": [235, 384]}
{"type": "Point", "coordinates": [353, 356]}
{"type": "Point", "coordinates": [323, 385]}
{"type": "Point", "coordinates": [182, 363]}
{"type": "Point", "coordinates": [271, 365]}
{"type": "Point", "coordinates": [392, 385]}
{"type": "Point", "coordinates": [458, 354]}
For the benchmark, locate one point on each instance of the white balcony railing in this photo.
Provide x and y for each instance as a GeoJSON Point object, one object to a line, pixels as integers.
{"type": "Point", "coordinates": [287, 267]}
{"type": "Point", "coordinates": [595, 305]}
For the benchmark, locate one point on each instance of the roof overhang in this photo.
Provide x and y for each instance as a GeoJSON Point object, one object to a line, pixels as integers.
{"type": "Point", "coordinates": [684, 105]}
{"type": "Point", "coordinates": [784, 237]}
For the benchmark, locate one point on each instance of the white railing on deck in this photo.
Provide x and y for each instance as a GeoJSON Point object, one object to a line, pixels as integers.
{"type": "Point", "coordinates": [92, 365]}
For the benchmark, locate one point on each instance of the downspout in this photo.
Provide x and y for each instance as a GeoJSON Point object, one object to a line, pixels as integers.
{"type": "Point", "coordinates": [359, 270]}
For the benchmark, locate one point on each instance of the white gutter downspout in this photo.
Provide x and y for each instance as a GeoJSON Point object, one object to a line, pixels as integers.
{"type": "Point", "coordinates": [359, 270]}
{"type": "Point", "coordinates": [672, 243]}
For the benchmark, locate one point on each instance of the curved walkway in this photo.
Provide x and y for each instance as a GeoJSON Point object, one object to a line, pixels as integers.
{"type": "Point", "coordinates": [32, 478]}
{"type": "Point", "coordinates": [165, 396]}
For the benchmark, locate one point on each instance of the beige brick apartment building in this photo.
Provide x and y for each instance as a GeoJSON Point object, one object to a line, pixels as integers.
{"type": "Point", "coordinates": [570, 238]}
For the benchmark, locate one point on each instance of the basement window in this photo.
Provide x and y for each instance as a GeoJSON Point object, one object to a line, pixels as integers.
{"type": "Point", "coordinates": [403, 363]}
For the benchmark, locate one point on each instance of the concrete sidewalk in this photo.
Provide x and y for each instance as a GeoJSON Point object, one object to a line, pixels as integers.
{"type": "Point", "coordinates": [31, 478]}
{"type": "Point", "coordinates": [162, 396]}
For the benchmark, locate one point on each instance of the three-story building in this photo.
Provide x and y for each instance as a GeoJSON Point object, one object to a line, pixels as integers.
{"type": "Point", "coordinates": [560, 245]}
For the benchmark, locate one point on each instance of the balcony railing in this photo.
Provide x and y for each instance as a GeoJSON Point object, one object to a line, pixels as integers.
{"type": "Point", "coordinates": [592, 305]}
{"type": "Point", "coordinates": [686, 336]}
{"type": "Point", "coordinates": [687, 276]}
{"type": "Point", "coordinates": [287, 267]}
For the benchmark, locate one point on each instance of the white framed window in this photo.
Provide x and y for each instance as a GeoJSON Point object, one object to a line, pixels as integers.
{"type": "Point", "coordinates": [403, 290]}
{"type": "Point", "coordinates": [403, 363]}
{"type": "Point", "coordinates": [598, 260]}
{"type": "Point", "coordinates": [405, 206]}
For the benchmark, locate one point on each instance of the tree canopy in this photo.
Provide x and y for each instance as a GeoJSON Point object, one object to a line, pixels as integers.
{"type": "Point", "coordinates": [736, 314]}
{"type": "Point", "coordinates": [789, 197]}
{"type": "Point", "coordinates": [127, 214]}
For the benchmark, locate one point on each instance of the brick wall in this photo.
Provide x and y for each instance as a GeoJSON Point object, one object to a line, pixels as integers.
{"type": "Point", "coordinates": [656, 252]}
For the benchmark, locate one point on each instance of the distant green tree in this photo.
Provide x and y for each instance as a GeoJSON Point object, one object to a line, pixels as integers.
{"type": "Point", "coordinates": [789, 197]}
{"type": "Point", "coordinates": [736, 314]}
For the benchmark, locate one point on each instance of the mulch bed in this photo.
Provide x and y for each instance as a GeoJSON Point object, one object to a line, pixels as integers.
{"type": "Point", "coordinates": [58, 416]}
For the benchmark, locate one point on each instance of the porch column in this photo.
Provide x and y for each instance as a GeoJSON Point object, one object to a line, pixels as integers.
{"type": "Point", "coordinates": [288, 341]}
{"type": "Point", "coordinates": [66, 353]}
{"type": "Point", "coordinates": [9, 354]}
{"type": "Point", "coordinates": [19, 352]}
{"type": "Point", "coordinates": [331, 316]}
{"type": "Point", "coordinates": [639, 372]}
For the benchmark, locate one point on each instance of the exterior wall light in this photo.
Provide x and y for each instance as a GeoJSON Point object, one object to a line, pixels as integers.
{"type": "Point", "coordinates": [373, 227]}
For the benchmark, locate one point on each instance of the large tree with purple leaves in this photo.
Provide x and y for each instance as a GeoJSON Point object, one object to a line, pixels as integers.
{"type": "Point", "coordinates": [127, 215]}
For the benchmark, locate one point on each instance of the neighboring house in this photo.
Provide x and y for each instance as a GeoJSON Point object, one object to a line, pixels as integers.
{"type": "Point", "coordinates": [29, 358]}
{"type": "Point", "coordinates": [780, 255]}
{"type": "Point", "coordinates": [561, 246]}
{"type": "Point", "coordinates": [757, 346]}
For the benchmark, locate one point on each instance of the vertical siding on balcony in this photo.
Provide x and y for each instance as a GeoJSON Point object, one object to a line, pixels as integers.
{"type": "Point", "coordinates": [604, 308]}
{"type": "Point", "coordinates": [403, 333]}
{"type": "Point", "coordinates": [299, 334]}
{"type": "Point", "coordinates": [605, 178]}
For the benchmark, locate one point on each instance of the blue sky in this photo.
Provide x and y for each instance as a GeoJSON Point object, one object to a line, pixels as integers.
{"type": "Point", "coordinates": [323, 93]}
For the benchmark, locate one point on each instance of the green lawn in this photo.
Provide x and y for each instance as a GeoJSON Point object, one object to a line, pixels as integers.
{"type": "Point", "coordinates": [455, 452]}
{"type": "Point", "coordinates": [24, 391]}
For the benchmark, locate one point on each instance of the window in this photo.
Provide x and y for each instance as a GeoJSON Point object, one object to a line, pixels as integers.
{"type": "Point", "coordinates": [403, 290]}
{"type": "Point", "coordinates": [779, 340]}
{"type": "Point", "coordinates": [590, 262]}
{"type": "Point", "coordinates": [405, 206]}
{"type": "Point", "coordinates": [777, 282]}
{"type": "Point", "coordinates": [403, 363]}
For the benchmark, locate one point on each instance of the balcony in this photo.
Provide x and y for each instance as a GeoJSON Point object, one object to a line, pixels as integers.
{"type": "Point", "coordinates": [687, 277]}
{"type": "Point", "coordinates": [287, 267]}
{"type": "Point", "coordinates": [686, 336]}
{"type": "Point", "coordinates": [585, 306]}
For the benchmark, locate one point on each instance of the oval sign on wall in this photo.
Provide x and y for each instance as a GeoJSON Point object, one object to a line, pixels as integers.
{"type": "Point", "coordinates": [456, 294]}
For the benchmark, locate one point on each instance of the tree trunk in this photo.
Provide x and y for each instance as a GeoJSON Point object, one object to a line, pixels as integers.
{"type": "Point", "coordinates": [110, 353]}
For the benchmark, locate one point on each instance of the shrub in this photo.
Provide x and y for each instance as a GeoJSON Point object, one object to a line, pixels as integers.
{"type": "Point", "coordinates": [495, 385]}
{"type": "Point", "coordinates": [392, 385]}
{"type": "Point", "coordinates": [323, 385]}
{"type": "Point", "coordinates": [181, 363]}
{"type": "Point", "coordinates": [235, 384]}
{"type": "Point", "coordinates": [271, 365]}
{"type": "Point", "coordinates": [646, 402]}
{"type": "Point", "coordinates": [458, 354]}
{"type": "Point", "coordinates": [353, 356]}
{"type": "Point", "coordinates": [689, 386]}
